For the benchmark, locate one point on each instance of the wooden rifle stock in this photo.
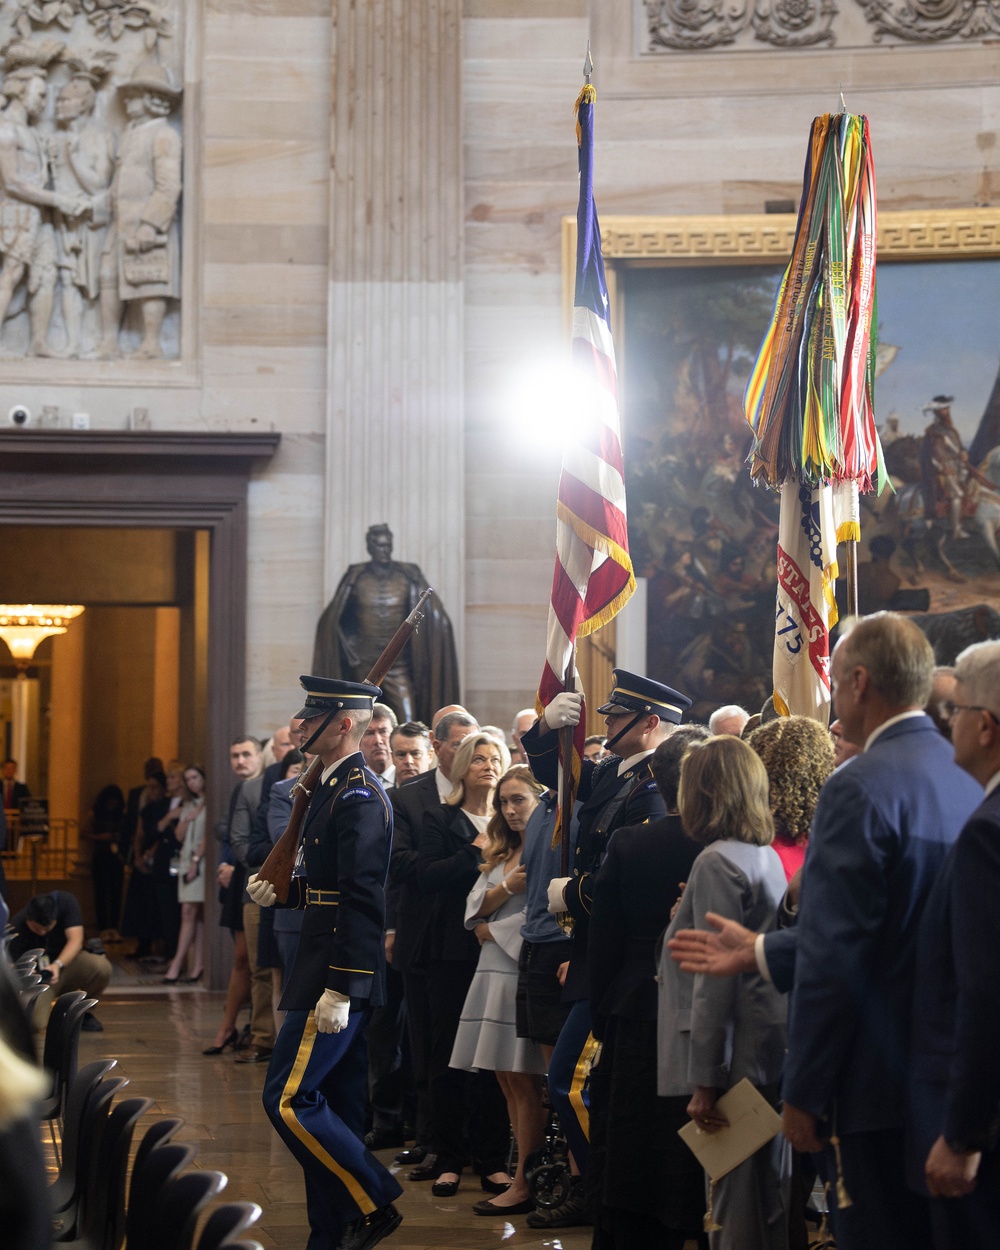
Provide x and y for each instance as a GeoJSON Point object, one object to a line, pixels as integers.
{"type": "Point", "coordinates": [280, 863]}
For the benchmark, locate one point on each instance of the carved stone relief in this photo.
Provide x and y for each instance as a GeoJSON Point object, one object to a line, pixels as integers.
{"type": "Point", "coordinates": [700, 24]}
{"type": "Point", "coordinates": [932, 21]}
{"type": "Point", "coordinates": [693, 25]}
{"type": "Point", "coordinates": [90, 180]}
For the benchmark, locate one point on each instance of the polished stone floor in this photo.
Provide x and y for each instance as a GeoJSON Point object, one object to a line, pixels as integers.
{"type": "Point", "coordinates": [157, 1036]}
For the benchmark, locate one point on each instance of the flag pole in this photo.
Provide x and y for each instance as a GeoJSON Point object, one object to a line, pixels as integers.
{"type": "Point", "coordinates": [852, 577]}
{"type": "Point", "coordinates": [567, 787]}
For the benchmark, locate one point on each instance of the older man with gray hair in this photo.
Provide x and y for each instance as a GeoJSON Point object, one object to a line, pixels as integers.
{"type": "Point", "coordinates": [728, 719]}
{"type": "Point", "coordinates": [956, 1017]}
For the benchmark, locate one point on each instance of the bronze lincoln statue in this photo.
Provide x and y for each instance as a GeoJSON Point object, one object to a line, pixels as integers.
{"type": "Point", "coordinates": [366, 610]}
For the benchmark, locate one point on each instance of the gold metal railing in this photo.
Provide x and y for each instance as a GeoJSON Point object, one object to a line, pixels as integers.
{"type": "Point", "coordinates": [34, 857]}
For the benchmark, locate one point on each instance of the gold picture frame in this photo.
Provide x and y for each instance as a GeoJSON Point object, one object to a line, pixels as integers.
{"type": "Point", "coordinates": [937, 234]}
{"type": "Point", "coordinates": [645, 242]}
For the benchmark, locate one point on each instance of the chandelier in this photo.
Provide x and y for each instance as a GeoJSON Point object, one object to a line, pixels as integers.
{"type": "Point", "coordinates": [24, 625]}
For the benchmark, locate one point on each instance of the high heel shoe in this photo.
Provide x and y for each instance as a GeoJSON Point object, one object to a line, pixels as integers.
{"type": "Point", "coordinates": [195, 979]}
{"type": "Point", "coordinates": [170, 980]}
{"type": "Point", "coordinates": [229, 1042]}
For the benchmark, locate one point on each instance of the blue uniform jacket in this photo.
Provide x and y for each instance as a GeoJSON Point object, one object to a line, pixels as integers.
{"type": "Point", "coordinates": [956, 1015]}
{"type": "Point", "coordinates": [346, 839]}
{"type": "Point", "coordinates": [638, 801]}
{"type": "Point", "coordinates": [882, 830]}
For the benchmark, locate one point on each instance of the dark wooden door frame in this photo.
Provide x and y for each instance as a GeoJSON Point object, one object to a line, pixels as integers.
{"type": "Point", "coordinates": [145, 479]}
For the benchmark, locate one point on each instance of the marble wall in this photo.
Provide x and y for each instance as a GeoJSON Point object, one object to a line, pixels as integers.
{"type": "Point", "coordinates": [372, 208]}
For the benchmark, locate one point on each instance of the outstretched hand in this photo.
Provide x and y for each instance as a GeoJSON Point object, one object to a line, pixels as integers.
{"type": "Point", "coordinates": [726, 952]}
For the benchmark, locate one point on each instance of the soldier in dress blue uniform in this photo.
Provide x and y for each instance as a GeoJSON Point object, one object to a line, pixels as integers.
{"type": "Point", "coordinates": [314, 1094]}
{"type": "Point", "coordinates": [619, 791]}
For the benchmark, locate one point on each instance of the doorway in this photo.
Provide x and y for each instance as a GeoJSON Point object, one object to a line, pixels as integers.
{"type": "Point", "coordinates": [159, 490]}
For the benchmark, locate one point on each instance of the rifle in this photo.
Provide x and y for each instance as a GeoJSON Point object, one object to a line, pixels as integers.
{"type": "Point", "coordinates": [280, 863]}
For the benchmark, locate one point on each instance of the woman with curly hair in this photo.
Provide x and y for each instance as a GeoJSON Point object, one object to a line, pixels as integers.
{"type": "Point", "coordinates": [797, 754]}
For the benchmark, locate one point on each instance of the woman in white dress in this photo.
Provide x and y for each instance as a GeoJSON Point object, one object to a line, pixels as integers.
{"type": "Point", "coordinates": [190, 833]}
{"type": "Point", "coordinates": [487, 1033]}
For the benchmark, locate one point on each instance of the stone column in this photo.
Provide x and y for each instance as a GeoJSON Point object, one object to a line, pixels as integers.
{"type": "Point", "coordinates": [395, 417]}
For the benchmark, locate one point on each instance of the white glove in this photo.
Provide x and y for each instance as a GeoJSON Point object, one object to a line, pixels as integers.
{"type": "Point", "coordinates": [557, 894]}
{"type": "Point", "coordinates": [262, 892]}
{"type": "Point", "coordinates": [565, 709]}
{"type": "Point", "coordinates": [332, 1011]}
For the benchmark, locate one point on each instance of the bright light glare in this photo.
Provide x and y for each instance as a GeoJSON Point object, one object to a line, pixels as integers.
{"type": "Point", "coordinates": [551, 404]}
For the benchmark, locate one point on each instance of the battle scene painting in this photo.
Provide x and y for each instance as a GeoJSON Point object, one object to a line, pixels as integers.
{"type": "Point", "coordinates": [705, 537]}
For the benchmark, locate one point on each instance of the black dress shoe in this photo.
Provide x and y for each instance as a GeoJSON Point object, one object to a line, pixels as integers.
{"type": "Point", "coordinates": [488, 1207]}
{"type": "Point", "coordinates": [383, 1138]}
{"type": "Point", "coordinates": [428, 1170]}
{"type": "Point", "coordinates": [370, 1229]}
{"type": "Point", "coordinates": [411, 1157]}
{"type": "Point", "coordinates": [445, 1189]}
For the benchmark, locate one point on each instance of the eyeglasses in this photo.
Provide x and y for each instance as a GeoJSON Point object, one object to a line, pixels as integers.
{"type": "Point", "coordinates": [951, 710]}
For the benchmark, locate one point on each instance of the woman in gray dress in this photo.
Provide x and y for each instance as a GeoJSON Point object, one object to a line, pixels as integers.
{"type": "Point", "coordinates": [714, 1031]}
{"type": "Point", "coordinates": [487, 1031]}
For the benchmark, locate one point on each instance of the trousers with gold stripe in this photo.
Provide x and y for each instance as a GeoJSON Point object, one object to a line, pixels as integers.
{"type": "Point", "coordinates": [568, 1080]}
{"type": "Point", "coordinates": [314, 1095]}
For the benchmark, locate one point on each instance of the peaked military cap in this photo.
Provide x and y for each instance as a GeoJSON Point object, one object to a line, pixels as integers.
{"type": "Point", "coordinates": [328, 694]}
{"type": "Point", "coordinates": [632, 693]}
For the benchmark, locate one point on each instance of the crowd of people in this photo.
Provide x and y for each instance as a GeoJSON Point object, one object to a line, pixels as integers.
{"type": "Point", "coordinates": [757, 900]}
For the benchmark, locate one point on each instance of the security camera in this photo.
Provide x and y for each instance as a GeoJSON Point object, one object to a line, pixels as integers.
{"type": "Point", "coordinates": [19, 415]}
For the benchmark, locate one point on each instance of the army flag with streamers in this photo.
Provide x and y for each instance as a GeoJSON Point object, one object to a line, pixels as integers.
{"type": "Point", "coordinates": [810, 402]}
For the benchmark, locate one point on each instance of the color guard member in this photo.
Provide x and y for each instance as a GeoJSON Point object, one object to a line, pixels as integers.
{"type": "Point", "coordinates": [314, 1094]}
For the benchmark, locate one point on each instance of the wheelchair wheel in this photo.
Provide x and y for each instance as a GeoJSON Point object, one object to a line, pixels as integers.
{"type": "Point", "coordinates": [550, 1185]}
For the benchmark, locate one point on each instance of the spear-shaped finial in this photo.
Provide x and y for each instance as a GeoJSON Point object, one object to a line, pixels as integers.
{"type": "Point", "coordinates": [588, 66]}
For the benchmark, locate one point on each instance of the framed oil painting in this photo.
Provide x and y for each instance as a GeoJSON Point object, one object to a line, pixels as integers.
{"type": "Point", "coordinates": [691, 299]}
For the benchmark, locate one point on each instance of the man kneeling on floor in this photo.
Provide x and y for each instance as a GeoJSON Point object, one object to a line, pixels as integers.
{"type": "Point", "coordinates": [53, 922]}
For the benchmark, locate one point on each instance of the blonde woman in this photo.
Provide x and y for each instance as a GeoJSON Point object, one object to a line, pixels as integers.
{"type": "Point", "coordinates": [714, 1031]}
{"type": "Point", "coordinates": [487, 1032]}
{"type": "Point", "coordinates": [451, 844]}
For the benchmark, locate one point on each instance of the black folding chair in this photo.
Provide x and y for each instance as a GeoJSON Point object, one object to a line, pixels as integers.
{"type": "Point", "coordinates": [103, 1224]}
{"type": "Point", "coordinates": [30, 995]}
{"type": "Point", "coordinates": [179, 1205]}
{"type": "Point", "coordinates": [227, 1222]}
{"type": "Point", "coordinates": [62, 1191]}
{"type": "Point", "coordinates": [150, 1176]}
{"type": "Point", "coordinates": [59, 1057]}
{"type": "Point", "coordinates": [95, 1116]}
{"type": "Point", "coordinates": [158, 1133]}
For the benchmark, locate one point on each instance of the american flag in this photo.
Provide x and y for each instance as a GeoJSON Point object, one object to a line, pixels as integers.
{"type": "Point", "coordinates": [593, 572]}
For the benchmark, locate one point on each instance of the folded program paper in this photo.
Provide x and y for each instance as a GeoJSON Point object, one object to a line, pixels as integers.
{"type": "Point", "coordinates": [753, 1122]}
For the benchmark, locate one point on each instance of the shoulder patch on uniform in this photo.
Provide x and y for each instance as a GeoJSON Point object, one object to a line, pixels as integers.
{"type": "Point", "coordinates": [650, 785]}
{"type": "Point", "coordinates": [361, 792]}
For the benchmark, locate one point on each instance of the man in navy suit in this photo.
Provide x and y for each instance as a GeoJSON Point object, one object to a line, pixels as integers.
{"type": "Point", "coordinates": [883, 828]}
{"type": "Point", "coordinates": [314, 1093]}
{"type": "Point", "coordinates": [956, 1018]}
